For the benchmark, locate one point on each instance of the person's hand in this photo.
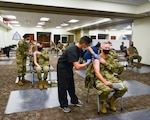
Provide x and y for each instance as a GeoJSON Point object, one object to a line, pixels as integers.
{"type": "Point", "coordinates": [89, 61]}
{"type": "Point", "coordinates": [108, 83]}
{"type": "Point", "coordinates": [38, 67]}
{"type": "Point", "coordinates": [95, 56]}
{"type": "Point", "coordinates": [31, 54]}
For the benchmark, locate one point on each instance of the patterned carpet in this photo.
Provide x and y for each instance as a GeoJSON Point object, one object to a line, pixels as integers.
{"type": "Point", "coordinates": [8, 75]}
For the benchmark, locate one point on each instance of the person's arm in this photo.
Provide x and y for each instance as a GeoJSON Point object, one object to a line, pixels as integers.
{"type": "Point", "coordinates": [35, 58]}
{"type": "Point", "coordinates": [93, 53]}
{"type": "Point", "coordinates": [91, 50]}
{"type": "Point", "coordinates": [96, 64]}
{"type": "Point", "coordinates": [79, 66]}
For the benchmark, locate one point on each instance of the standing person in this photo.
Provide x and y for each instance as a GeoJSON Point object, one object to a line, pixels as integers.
{"type": "Point", "coordinates": [41, 61]}
{"type": "Point", "coordinates": [92, 51]}
{"type": "Point", "coordinates": [66, 62]}
{"type": "Point", "coordinates": [21, 56]}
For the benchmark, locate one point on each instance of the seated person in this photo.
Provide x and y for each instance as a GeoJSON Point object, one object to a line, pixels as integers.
{"type": "Point", "coordinates": [112, 51]}
{"type": "Point", "coordinates": [41, 61]}
{"type": "Point", "coordinates": [104, 79]}
{"type": "Point", "coordinates": [92, 51]}
{"type": "Point", "coordinates": [132, 53]}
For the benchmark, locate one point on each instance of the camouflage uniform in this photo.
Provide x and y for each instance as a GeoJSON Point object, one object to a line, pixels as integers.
{"type": "Point", "coordinates": [43, 61]}
{"type": "Point", "coordinates": [107, 71]}
{"type": "Point", "coordinates": [135, 54]}
{"type": "Point", "coordinates": [21, 56]}
{"type": "Point", "coordinates": [59, 47]}
{"type": "Point", "coordinates": [118, 67]}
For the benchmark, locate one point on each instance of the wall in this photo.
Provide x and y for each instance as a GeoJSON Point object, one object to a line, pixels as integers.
{"type": "Point", "coordinates": [3, 37]}
{"type": "Point", "coordinates": [6, 35]}
{"type": "Point", "coordinates": [141, 38]}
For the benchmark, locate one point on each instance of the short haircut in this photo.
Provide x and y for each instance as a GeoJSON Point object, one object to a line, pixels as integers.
{"type": "Point", "coordinates": [85, 40]}
{"type": "Point", "coordinates": [26, 35]}
{"type": "Point", "coordinates": [98, 44]}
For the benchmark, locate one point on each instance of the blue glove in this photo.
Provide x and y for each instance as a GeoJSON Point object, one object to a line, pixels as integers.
{"type": "Point", "coordinates": [95, 56]}
{"type": "Point", "coordinates": [89, 61]}
{"type": "Point", "coordinates": [31, 54]}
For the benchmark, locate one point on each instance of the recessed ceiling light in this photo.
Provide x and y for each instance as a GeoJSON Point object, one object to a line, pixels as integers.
{"type": "Point", "coordinates": [58, 27]}
{"type": "Point", "coordinates": [44, 19]}
{"type": "Point", "coordinates": [39, 26]}
{"type": "Point", "coordinates": [41, 23]}
{"type": "Point", "coordinates": [73, 21]}
{"type": "Point", "coordinates": [93, 23]}
{"type": "Point", "coordinates": [16, 25]}
{"type": "Point", "coordinates": [64, 24]}
{"type": "Point", "coordinates": [9, 16]}
{"type": "Point", "coordinates": [13, 22]}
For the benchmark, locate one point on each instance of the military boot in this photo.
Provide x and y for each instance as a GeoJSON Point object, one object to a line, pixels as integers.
{"type": "Point", "coordinates": [103, 107]}
{"type": "Point", "coordinates": [138, 65]}
{"type": "Point", "coordinates": [111, 104]}
{"type": "Point", "coordinates": [26, 81]}
{"type": "Point", "coordinates": [45, 84]}
{"type": "Point", "coordinates": [20, 83]}
{"type": "Point", "coordinates": [40, 84]}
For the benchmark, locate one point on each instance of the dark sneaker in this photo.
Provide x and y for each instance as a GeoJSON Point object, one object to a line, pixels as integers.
{"type": "Point", "coordinates": [65, 109]}
{"type": "Point", "coordinates": [79, 104]}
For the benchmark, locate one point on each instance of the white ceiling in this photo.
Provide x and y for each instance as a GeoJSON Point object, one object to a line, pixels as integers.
{"type": "Point", "coordinates": [30, 19]}
{"type": "Point", "coordinates": [130, 2]}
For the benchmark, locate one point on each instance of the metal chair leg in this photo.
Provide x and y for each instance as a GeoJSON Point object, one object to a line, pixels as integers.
{"type": "Point", "coordinates": [87, 95]}
{"type": "Point", "coordinates": [98, 104]}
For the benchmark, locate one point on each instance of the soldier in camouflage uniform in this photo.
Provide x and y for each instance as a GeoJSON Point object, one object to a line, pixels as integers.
{"type": "Point", "coordinates": [59, 47]}
{"type": "Point", "coordinates": [133, 54]}
{"type": "Point", "coordinates": [21, 56]}
{"type": "Point", "coordinates": [41, 61]}
{"type": "Point", "coordinates": [104, 78]}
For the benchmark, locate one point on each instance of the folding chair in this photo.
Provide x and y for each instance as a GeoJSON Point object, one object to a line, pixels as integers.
{"type": "Point", "coordinates": [89, 84]}
{"type": "Point", "coordinates": [34, 71]}
{"type": "Point", "coordinates": [98, 99]}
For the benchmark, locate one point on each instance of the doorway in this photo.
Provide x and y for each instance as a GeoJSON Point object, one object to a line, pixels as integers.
{"type": "Point", "coordinates": [44, 38]}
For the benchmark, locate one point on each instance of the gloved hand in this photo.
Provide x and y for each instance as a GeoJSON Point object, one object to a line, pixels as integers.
{"type": "Point", "coordinates": [31, 54]}
{"type": "Point", "coordinates": [95, 56]}
{"type": "Point", "coordinates": [89, 61]}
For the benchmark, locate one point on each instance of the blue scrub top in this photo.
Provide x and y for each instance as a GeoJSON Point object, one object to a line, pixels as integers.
{"type": "Point", "coordinates": [88, 55]}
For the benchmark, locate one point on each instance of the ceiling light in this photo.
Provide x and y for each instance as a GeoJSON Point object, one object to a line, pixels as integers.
{"type": "Point", "coordinates": [44, 19]}
{"type": "Point", "coordinates": [58, 27]}
{"type": "Point", "coordinates": [73, 21]}
{"type": "Point", "coordinates": [93, 23]}
{"type": "Point", "coordinates": [128, 27]}
{"type": "Point", "coordinates": [64, 24]}
{"type": "Point", "coordinates": [41, 23]}
{"type": "Point", "coordinates": [113, 29]}
{"type": "Point", "coordinates": [9, 16]}
{"type": "Point", "coordinates": [13, 22]}
{"type": "Point", "coordinates": [38, 26]}
{"type": "Point", "coordinates": [16, 25]}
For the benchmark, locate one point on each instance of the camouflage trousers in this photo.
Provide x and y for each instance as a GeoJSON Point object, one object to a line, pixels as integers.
{"type": "Point", "coordinates": [21, 66]}
{"type": "Point", "coordinates": [43, 69]}
{"type": "Point", "coordinates": [131, 58]}
{"type": "Point", "coordinates": [104, 90]}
